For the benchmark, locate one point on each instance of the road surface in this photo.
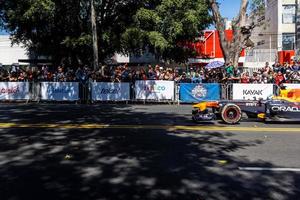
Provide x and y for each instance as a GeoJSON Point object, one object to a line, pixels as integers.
{"type": "Point", "coordinates": [150, 152]}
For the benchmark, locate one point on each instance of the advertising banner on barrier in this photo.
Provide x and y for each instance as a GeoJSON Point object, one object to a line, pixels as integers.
{"type": "Point", "coordinates": [292, 86]}
{"type": "Point", "coordinates": [193, 93]}
{"type": "Point", "coordinates": [14, 91]}
{"type": "Point", "coordinates": [154, 90]}
{"type": "Point", "coordinates": [110, 91]}
{"type": "Point", "coordinates": [60, 91]}
{"type": "Point", "coordinates": [252, 91]}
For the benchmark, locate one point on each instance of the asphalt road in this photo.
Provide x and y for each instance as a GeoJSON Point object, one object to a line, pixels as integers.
{"type": "Point", "coordinates": [142, 152]}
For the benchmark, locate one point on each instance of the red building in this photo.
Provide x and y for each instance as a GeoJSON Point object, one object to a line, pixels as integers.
{"type": "Point", "coordinates": [286, 56]}
{"type": "Point", "coordinates": [208, 48]}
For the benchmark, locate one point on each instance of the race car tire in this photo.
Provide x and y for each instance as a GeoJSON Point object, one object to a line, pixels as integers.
{"type": "Point", "coordinates": [231, 114]}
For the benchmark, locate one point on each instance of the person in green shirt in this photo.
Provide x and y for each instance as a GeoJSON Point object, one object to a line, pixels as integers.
{"type": "Point", "coordinates": [229, 69]}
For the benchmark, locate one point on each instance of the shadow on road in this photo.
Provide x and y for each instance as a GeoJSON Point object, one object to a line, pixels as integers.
{"type": "Point", "coordinates": [131, 164]}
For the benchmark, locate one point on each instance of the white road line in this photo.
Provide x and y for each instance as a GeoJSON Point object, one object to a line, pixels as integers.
{"type": "Point", "coordinates": [269, 169]}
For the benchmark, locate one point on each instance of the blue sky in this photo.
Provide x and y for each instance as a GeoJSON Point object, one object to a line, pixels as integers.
{"type": "Point", "coordinates": [229, 9]}
{"type": "Point", "coordinates": [2, 32]}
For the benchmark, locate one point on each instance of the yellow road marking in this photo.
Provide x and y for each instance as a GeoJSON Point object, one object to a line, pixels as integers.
{"type": "Point", "coordinates": [165, 127]}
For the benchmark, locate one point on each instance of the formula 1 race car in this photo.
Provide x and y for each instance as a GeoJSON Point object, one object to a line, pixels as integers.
{"type": "Point", "coordinates": [284, 107]}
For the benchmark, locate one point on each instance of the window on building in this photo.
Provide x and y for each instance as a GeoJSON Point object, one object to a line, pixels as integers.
{"type": "Point", "coordinates": [262, 42]}
{"type": "Point", "coordinates": [288, 41]}
{"type": "Point", "coordinates": [288, 14]}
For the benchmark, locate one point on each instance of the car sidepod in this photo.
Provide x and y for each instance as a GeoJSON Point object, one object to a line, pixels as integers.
{"type": "Point", "coordinates": [282, 110]}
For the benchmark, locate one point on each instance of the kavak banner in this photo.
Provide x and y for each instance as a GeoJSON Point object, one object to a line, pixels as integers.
{"type": "Point", "coordinates": [60, 91]}
{"type": "Point", "coordinates": [154, 90]}
{"type": "Point", "coordinates": [14, 91]}
{"type": "Point", "coordinates": [192, 92]}
{"type": "Point", "coordinates": [110, 91]}
{"type": "Point", "coordinates": [252, 91]}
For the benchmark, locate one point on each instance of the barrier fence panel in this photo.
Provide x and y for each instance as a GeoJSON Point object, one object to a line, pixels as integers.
{"type": "Point", "coordinates": [193, 92]}
{"type": "Point", "coordinates": [177, 93]}
{"type": "Point", "coordinates": [14, 91]}
{"type": "Point", "coordinates": [226, 91]}
{"type": "Point", "coordinates": [60, 91]}
{"type": "Point", "coordinates": [34, 91]}
{"type": "Point", "coordinates": [110, 91]}
{"type": "Point", "coordinates": [252, 91]}
{"type": "Point", "coordinates": [150, 90]}
{"type": "Point", "coordinates": [84, 92]}
{"type": "Point", "coordinates": [155, 90]}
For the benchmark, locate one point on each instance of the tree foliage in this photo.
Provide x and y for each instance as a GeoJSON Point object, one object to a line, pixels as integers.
{"type": "Point", "coordinates": [163, 28]}
{"type": "Point", "coordinates": [62, 28]}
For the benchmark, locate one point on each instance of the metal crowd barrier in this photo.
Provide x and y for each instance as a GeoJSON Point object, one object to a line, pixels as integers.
{"type": "Point", "coordinates": [36, 92]}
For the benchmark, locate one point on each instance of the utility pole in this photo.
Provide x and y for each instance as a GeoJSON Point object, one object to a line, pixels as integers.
{"type": "Point", "coordinates": [95, 37]}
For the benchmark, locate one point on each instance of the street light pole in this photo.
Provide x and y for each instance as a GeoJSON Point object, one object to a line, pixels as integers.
{"type": "Point", "coordinates": [95, 37]}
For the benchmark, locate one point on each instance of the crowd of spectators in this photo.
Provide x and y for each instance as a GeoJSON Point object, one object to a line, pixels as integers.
{"type": "Point", "coordinates": [277, 74]}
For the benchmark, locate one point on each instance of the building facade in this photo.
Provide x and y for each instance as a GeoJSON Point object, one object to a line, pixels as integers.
{"type": "Point", "coordinates": [11, 54]}
{"type": "Point", "coordinates": [208, 48]}
{"type": "Point", "coordinates": [275, 40]}
{"type": "Point", "coordinates": [297, 29]}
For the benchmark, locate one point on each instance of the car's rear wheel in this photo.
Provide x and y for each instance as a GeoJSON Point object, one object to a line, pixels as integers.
{"type": "Point", "coordinates": [231, 114]}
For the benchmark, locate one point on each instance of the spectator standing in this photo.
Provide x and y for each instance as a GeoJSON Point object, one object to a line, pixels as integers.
{"type": "Point", "coordinates": [284, 68]}
{"type": "Point", "coordinates": [81, 74]}
{"type": "Point", "coordinates": [277, 67]}
{"type": "Point", "coordinates": [151, 73]}
{"type": "Point", "coordinates": [177, 77]}
{"type": "Point", "coordinates": [256, 78]}
{"type": "Point", "coordinates": [125, 74]}
{"type": "Point", "coordinates": [196, 78]}
{"type": "Point", "coordinates": [267, 69]}
{"type": "Point", "coordinates": [295, 67]}
{"type": "Point", "coordinates": [60, 76]}
{"type": "Point", "coordinates": [245, 78]}
{"type": "Point", "coordinates": [279, 78]}
{"type": "Point", "coordinates": [21, 77]}
{"type": "Point", "coordinates": [184, 78]}
{"type": "Point", "coordinates": [229, 70]}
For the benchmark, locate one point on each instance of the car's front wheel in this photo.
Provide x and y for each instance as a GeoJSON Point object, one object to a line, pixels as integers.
{"type": "Point", "coordinates": [231, 114]}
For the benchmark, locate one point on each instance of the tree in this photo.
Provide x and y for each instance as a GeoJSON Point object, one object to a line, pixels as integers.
{"type": "Point", "coordinates": [95, 36]}
{"type": "Point", "coordinates": [164, 27]}
{"type": "Point", "coordinates": [54, 28]}
{"type": "Point", "coordinates": [61, 29]}
{"type": "Point", "coordinates": [242, 27]}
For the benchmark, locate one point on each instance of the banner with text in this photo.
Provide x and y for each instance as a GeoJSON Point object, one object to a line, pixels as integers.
{"type": "Point", "coordinates": [110, 91]}
{"type": "Point", "coordinates": [192, 93]}
{"type": "Point", "coordinates": [60, 91]}
{"type": "Point", "coordinates": [14, 91]}
{"type": "Point", "coordinates": [252, 91]}
{"type": "Point", "coordinates": [154, 90]}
